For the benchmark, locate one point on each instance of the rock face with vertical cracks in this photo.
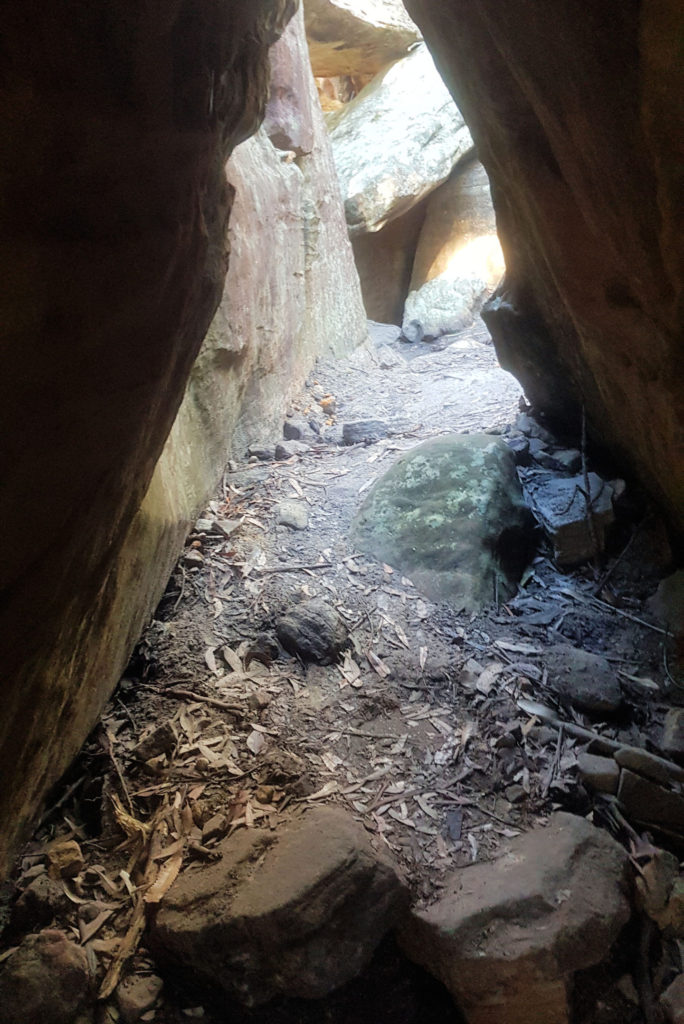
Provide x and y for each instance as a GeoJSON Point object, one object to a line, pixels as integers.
{"type": "Point", "coordinates": [118, 119]}
{"type": "Point", "coordinates": [577, 116]}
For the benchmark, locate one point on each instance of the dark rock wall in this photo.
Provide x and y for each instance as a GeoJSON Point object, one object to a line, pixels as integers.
{"type": "Point", "coordinates": [118, 119]}
{"type": "Point", "coordinates": [577, 115]}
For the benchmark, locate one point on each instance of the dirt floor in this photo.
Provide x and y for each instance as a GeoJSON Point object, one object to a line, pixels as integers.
{"type": "Point", "coordinates": [431, 729]}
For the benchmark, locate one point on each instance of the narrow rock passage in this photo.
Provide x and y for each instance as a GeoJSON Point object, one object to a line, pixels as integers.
{"type": "Point", "coordinates": [438, 732]}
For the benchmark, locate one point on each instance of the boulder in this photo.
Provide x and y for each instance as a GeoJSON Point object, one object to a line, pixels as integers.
{"type": "Point", "coordinates": [450, 514]}
{"type": "Point", "coordinates": [601, 774]}
{"type": "Point", "coordinates": [384, 261]}
{"type": "Point", "coordinates": [295, 913]}
{"type": "Point", "coordinates": [458, 260]}
{"type": "Point", "coordinates": [507, 936]}
{"type": "Point", "coordinates": [45, 981]}
{"type": "Point", "coordinates": [313, 630]}
{"type": "Point", "coordinates": [395, 142]}
{"type": "Point", "coordinates": [356, 37]}
{"type": "Point", "coordinates": [584, 680]}
{"type": "Point", "coordinates": [116, 241]}
{"type": "Point", "coordinates": [572, 117]}
{"type": "Point", "coordinates": [648, 803]}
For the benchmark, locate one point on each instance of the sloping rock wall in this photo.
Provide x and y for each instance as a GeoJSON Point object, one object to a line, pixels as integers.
{"type": "Point", "coordinates": [113, 244]}
{"type": "Point", "coordinates": [384, 260]}
{"type": "Point", "coordinates": [577, 117]}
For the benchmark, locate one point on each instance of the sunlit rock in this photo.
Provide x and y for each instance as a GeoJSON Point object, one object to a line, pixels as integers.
{"type": "Point", "coordinates": [352, 37]}
{"type": "Point", "coordinates": [396, 142]}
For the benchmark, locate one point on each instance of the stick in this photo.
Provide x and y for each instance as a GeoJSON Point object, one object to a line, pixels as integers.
{"type": "Point", "coordinates": [189, 695]}
{"type": "Point", "coordinates": [292, 568]}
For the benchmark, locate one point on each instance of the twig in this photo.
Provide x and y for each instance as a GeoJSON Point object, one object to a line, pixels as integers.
{"type": "Point", "coordinates": [62, 800]}
{"type": "Point", "coordinates": [555, 764]}
{"type": "Point", "coordinates": [551, 718]}
{"type": "Point", "coordinates": [109, 748]}
{"type": "Point", "coordinates": [292, 568]}
{"type": "Point", "coordinates": [632, 618]}
{"type": "Point", "coordinates": [182, 591]}
{"type": "Point", "coordinates": [189, 695]}
{"type": "Point", "coordinates": [609, 572]}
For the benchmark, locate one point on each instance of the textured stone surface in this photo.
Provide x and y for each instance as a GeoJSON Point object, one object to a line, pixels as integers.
{"type": "Point", "coordinates": [356, 37]}
{"type": "Point", "coordinates": [584, 680]}
{"type": "Point", "coordinates": [506, 936]}
{"type": "Point", "coordinates": [298, 912]}
{"type": "Point", "coordinates": [46, 981]}
{"type": "Point", "coordinates": [648, 803]}
{"type": "Point", "coordinates": [396, 142]}
{"type": "Point", "coordinates": [384, 260]}
{"type": "Point", "coordinates": [562, 509]}
{"type": "Point", "coordinates": [602, 774]}
{"type": "Point", "coordinates": [114, 280]}
{"type": "Point", "coordinates": [450, 515]}
{"type": "Point", "coordinates": [573, 115]}
{"type": "Point", "coordinates": [673, 734]}
{"type": "Point", "coordinates": [313, 630]}
{"type": "Point", "coordinates": [458, 260]}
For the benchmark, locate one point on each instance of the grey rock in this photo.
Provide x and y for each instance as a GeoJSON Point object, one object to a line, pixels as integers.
{"type": "Point", "coordinates": [388, 359]}
{"type": "Point", "coordinates": [673, 734]}
{"type": "Point", "coordinates": [672, 1001]}
{"type": "Point", "coordinates": [136, 995]}
{"type": "Point", "coordinates": [520, 446]}
{"type": "Point", "coordinates": [568, 458]}
{"type": "Point", "coordinates": [602, 774]}
{"type": "Point", "coordinates": [298, 430]}
{"type": "Point", "coordinates": [443, 305]}
{"type": "Point", "coordinates": [584, 680]}
{"type": "Point", "coordinates": [560, 506]}
{"type": "Point", "coordinates": [293, 514]}
{"type": "Point", "coordinates": [204, 525]}
{"type": "Point", "coordinates": [46, 981]}
{"type": "Point", "coordinates": [450, 514]}
{"type": "Point", "coordinates": [396, 141]}
{"type": "Point", "coordinates": [287, 449]}
{"type": "Point", "coordinates": [383, 334]}
{"type": "Point", "coordinates": [532, 428]}
{"type": "Point", "coordinates": [296, 913]}
{"type": "Point", "coordinates": [216, 828]}
{"type": "Point", "coordinates": [506, 936]}
{"type": "Point", "coordinates": [313, 630]}
{"type": "Point", "coordinates": [262, 452]}
{"type": "Point", "coordinates": [650, 765]}
{"type": "Point", "coordinates": [364, 431]}
{"type": "Point", "coordinates": [650, 804]}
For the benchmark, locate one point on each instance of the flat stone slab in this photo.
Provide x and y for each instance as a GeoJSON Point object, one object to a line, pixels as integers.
{"type": "Point", "coordinates": [506, 936]}
{"type": "Point", "coordinates": [295, 913]}
{"type": "Point", "coordinates": [450, 514]}
{"type": "Point", "coordinates": [582, 679]}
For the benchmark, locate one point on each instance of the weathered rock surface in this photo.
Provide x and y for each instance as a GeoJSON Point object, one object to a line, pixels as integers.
{"type": "Point", "coordinates": [584, 680]}
{"type": "Point", "coordinates": [313, 630]}
{"type": "Point", "coordinates": [673, 734]}
{"type": "Point", "coordinates": [364, 431]}
{"type": "Point", "coordinates": [458, 260]}
{"type": "Point", "coordinates": [295, 913]}
{"type": "Point", "coordinates": [450, 514]}
{"type": "Point", "coordinates": [562, 509]}
{"type": "Point", "coordinates": [120, 257]}
{"type": "Point", "coordinates": [572, 118]}
{"type": "Point", "coordinates": [648, 803]}
{"type": "Point", "coordinates": [137, 994]}
{"type": "Point", "coordinates": [601, 774]}
{"type": "Point", "coordinates": [384, 260]}
{"type": "Point", "coordinates": [46, 981]}
{"type": "Point", "coordinates": [293, 514]}
{"type": "Point", "coordinates": [395, 142]}
{"type": "Point", "coordinates": [507, 936]}
{"type": "Point", "coordinates": [356, 37]}
{"type": "Point", "coordinates": [672, 1001]}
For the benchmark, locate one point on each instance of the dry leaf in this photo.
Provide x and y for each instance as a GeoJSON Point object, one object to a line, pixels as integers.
{"type": "Point", "coordinates": [210, 659]}
{"type": "Point", "coordinates": [232, 659]}
{"type": "Point", "coordinates": [256, 741]}
{"type": "Point", "coordinates": [378, 665]}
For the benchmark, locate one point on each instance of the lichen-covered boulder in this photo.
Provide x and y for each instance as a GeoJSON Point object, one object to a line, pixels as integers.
{"type": "Point", "coordinates": [450, 513]}
{"type": "Point", "coordinates": [396, 141]}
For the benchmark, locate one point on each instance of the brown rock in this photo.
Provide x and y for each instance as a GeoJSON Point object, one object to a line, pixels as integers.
{"type": "Point", "coordinates": [643, 762]}
{"type": "Point", "coordinates": [162, 740]}
{"type": "Point", "coordinates": [347, 38]}
{"type": "Point", "coordinates": [65, 859]}
{"type": "Point", "coordinates": [313, 630]}
{"type": "Point", "coordinates": [507, 936]}
{"type": "Point", "coordinates": [296, 913]}
{"type": "Point", "coordinates": [114, 257]}
{"type": "Point", "coordinates": [384, 260]}
{"type": "Point", "coordinates": [40, 902]}
{"type": "Point", "coordinates": [650, 804]}
{"type": "Point", "coordinates": [572, 119]}
{"type": "Point", "coordinates": [46, 981]}
{"type": "Point", "coordinates": [136, 995]}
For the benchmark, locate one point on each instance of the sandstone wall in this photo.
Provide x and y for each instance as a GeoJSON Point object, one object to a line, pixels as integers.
{"type": "Point", "coordinates": [578, 118]}
{"type": "Point", "coordinates": [112, 241]}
